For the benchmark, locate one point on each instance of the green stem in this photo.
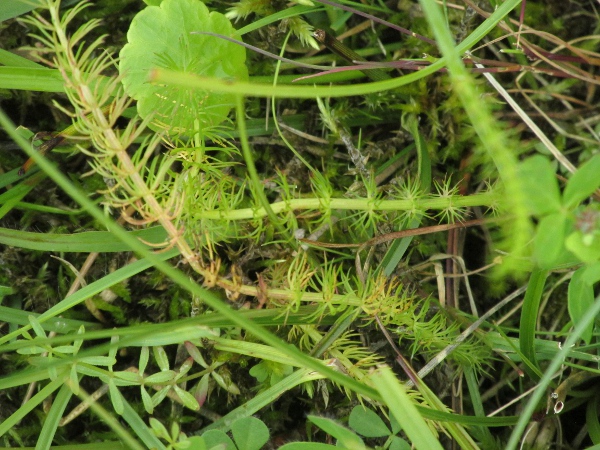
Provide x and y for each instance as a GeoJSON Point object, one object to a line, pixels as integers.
{"type": "Point", "coordinates": [494, 139]}
{"type": "Point", "coordinates": [251, 168]}
{"type": "Point", "coordinates": [438, 203]}
{"type": "Point", "coordinates": [172, 78]}
{"type": "Point", "coordinates": [183, 280]}
{"type": "Point", "coordinates": [348, 54]}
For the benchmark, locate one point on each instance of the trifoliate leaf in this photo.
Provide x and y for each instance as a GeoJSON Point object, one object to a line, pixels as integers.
{"type": "Point", "coordinates": [250, 433]}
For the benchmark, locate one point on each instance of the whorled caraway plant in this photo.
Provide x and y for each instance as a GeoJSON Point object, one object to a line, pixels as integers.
{"type": "Point", "coordinates": [98, 100]}
{"type": "Point", "coordinates": [99, 97]}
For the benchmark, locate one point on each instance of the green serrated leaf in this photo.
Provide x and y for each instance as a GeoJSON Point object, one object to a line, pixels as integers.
{"type": "Point", "coordinates": [580, 298]}
{"type": "Point", "coordinates": [583, 183]}
{"type": "Point", "coordinates": [539, 180]}
{"type": "Point", "coordinates": [160, 377]}
{"type": "Point", "coordinates": [144, 358]}
{"type": "Point", "coordinates": [146, 400]}
{"type": "Point", "coordinates": [367, 423]}
{"type": "Point", "coordinates": [161, 357]}
{"type": "Point", "coordinates": [249, 433]}
{"type": "Point", "coordinates": [189, 401]}
{"type": "Point", "coordinates": [345, 437]}
{"type": "Point", "coordinates": [160, 36]}
{"type": "Point", "coordinates": [132, 377]}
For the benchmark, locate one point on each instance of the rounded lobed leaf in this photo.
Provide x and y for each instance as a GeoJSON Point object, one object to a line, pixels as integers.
{"type": "Point", "coordinates": [249, 433]}
{"type": "Point", "coordinates": [160, 36]}
{"type": "Point", "coordinates": [212, 438]}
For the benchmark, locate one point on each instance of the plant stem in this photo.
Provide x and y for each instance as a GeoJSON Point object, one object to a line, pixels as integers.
{"type": "Point", "coordinates": [437, 203]}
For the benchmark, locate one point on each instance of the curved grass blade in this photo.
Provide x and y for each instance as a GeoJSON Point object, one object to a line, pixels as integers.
{"type": "Point", "coordinates": [33, 402]}
{"type": "Point", "coordinates": [529, 315]}
{"type": "Point", "coordinates": [403, 409]}
{"type": "Point", "coordinates": [86, 242]}
{"type": "Point", "coordinates": [57, 409]}
{"type": "Point", "coordinates": [554, 365]}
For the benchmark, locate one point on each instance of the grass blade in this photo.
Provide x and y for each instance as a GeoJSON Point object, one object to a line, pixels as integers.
{"type": "Point", "coordinates": [554, 365]}
{"type": "Point", "coordinates": [529, 316]}
{"type": "Point", "coordinates": [403, 409]}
